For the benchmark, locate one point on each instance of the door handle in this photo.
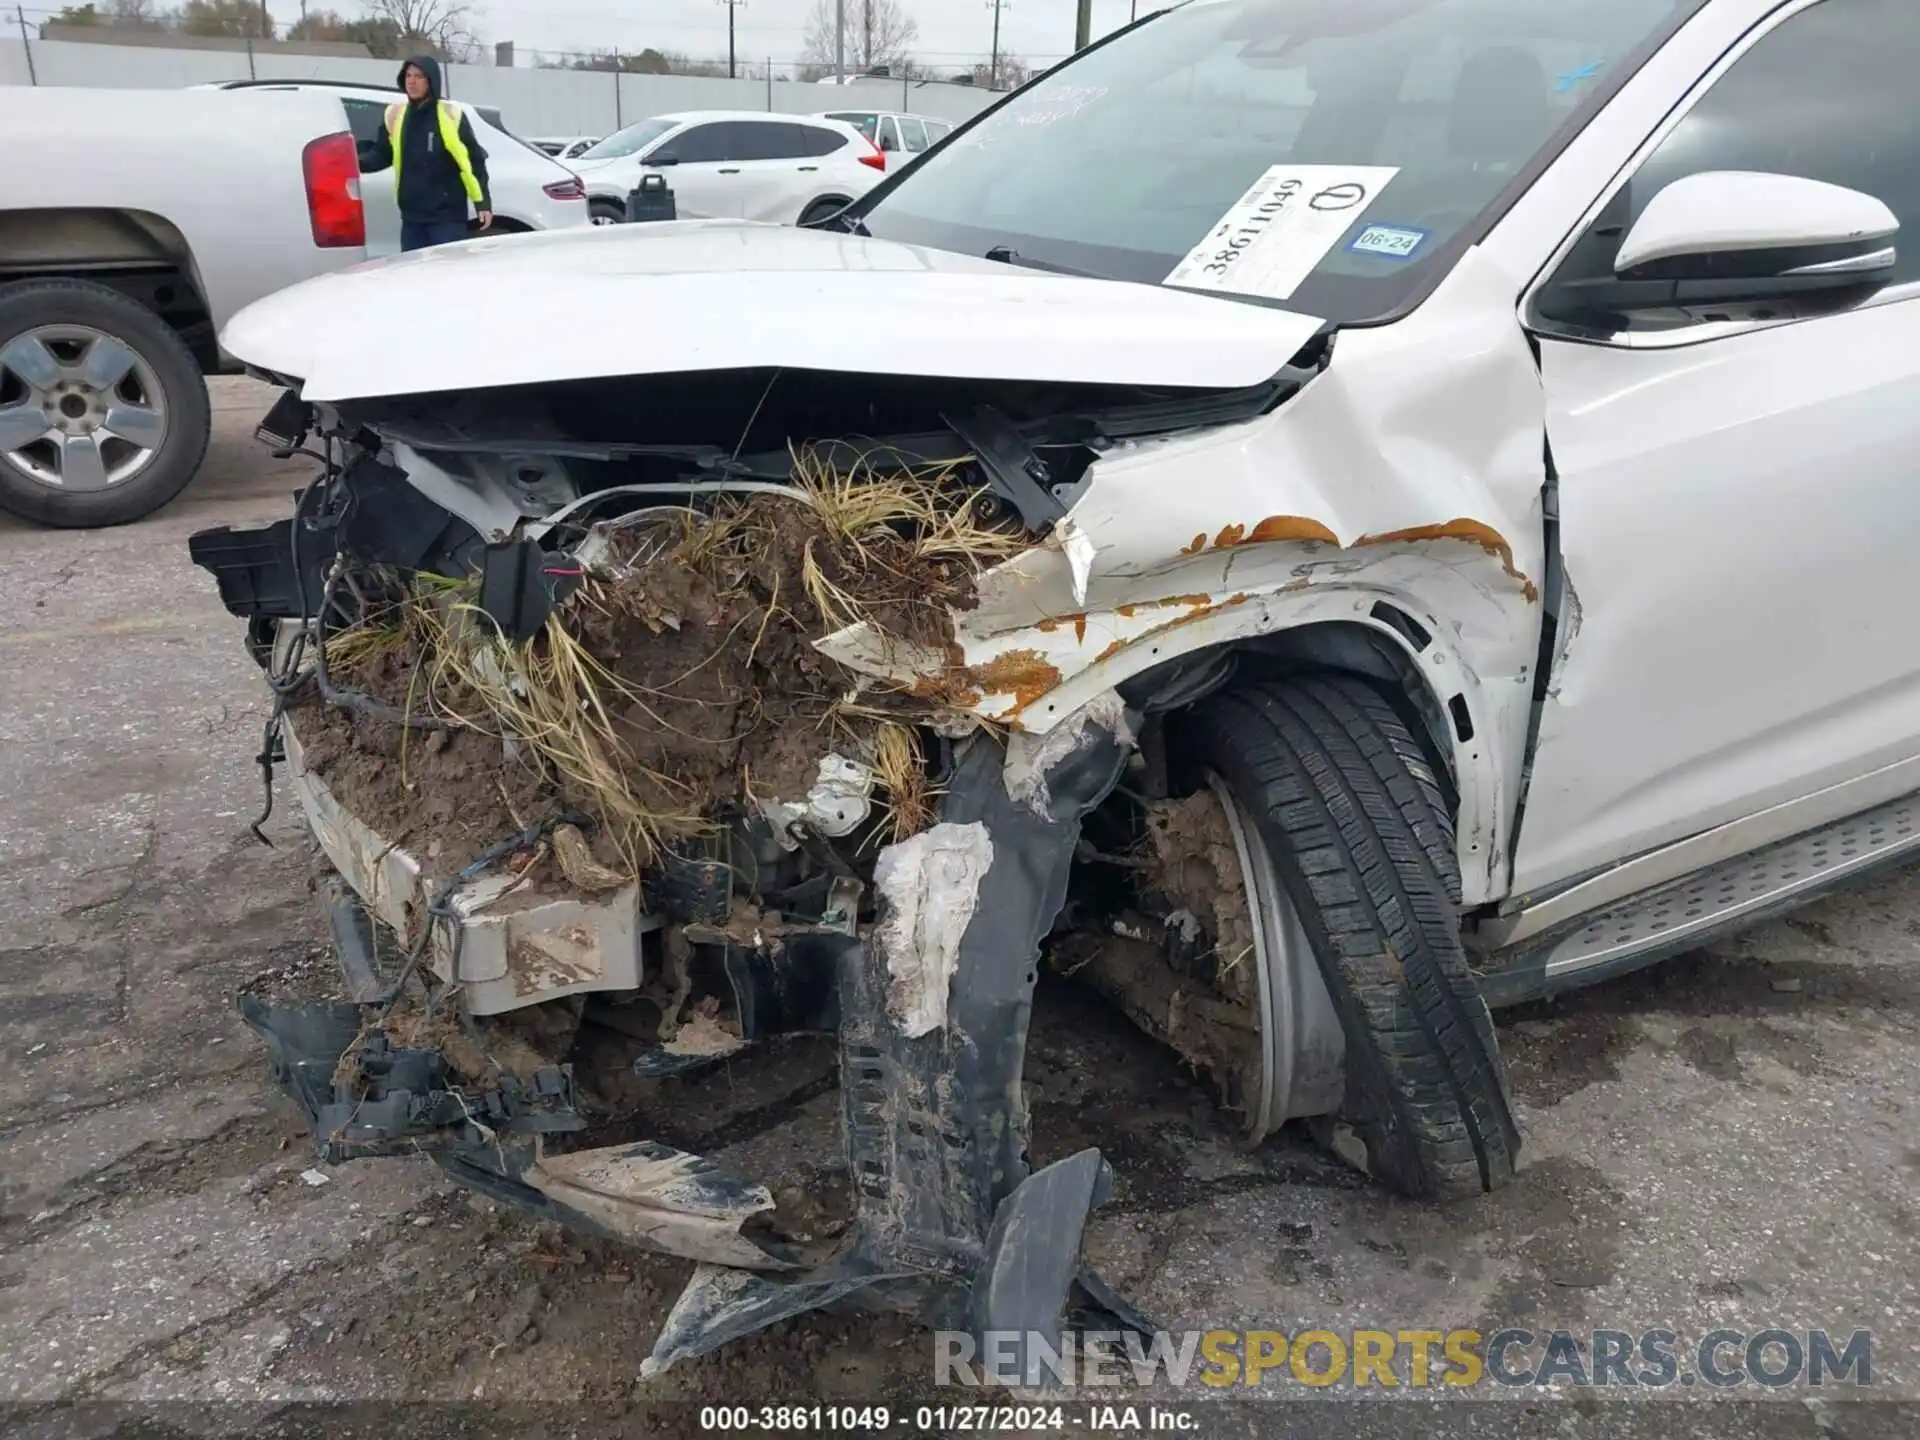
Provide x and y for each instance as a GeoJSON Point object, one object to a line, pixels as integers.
{"type": "Point", "coordinates": [809, 169]}
{"type": "Point", "coordinates": [729, 172]}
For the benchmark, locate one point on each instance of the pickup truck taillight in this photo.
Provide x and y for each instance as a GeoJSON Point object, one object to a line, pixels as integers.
{"type": "Point", "coordinates": [574, 189]}
{"type": "Point", "coordinates": [331, 166]}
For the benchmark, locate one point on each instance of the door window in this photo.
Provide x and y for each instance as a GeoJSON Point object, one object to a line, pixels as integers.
{"type": "Point", "coordinates": [764, 140]}
{"type": "Point", "coordinates": [821, 141]}
{"type": "Point", "coordinates": [866, 122]}
{"type": "Point", "coordinates": [702, 145]}
{"type": "Point", "coordinates": [1827, 94]}
{"type": "Point", "coordinates": [889, 135]}
{"type": "Point", "coordinates": [914, 133]}
{"type": "Point", "coordinates": [366, 119]}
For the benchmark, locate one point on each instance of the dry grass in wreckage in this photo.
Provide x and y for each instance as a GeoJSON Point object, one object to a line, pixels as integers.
{"type": "Point", "coordinates": [678, 682]}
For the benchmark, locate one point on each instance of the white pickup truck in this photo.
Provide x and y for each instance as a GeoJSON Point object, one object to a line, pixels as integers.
{"type": "Point", "coordinates": [147, 219]}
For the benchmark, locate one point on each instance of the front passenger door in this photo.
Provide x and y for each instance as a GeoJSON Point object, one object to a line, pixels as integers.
{"type": "Point", "coordinates": [704, 178]}
{"type": "Point", "coordinates": [1739, 498]}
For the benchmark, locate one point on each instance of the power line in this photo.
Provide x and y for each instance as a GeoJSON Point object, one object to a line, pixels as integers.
{"type": "Point", "coordinates": [665, 33]}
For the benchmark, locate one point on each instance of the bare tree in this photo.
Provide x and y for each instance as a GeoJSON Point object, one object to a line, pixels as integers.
{"type": "Point", "coordinates": [126, 14]}
{"type": "Point", "coordinates": [1014, 72]}
{"type": "Point", "coordinates": [140, 14]}
{"type": "Point", "coordinates": [233, 19]}
{"type": "Point", "coordinates": [879, 32]}
{"type": "Point", "coordinates": [444, 27]}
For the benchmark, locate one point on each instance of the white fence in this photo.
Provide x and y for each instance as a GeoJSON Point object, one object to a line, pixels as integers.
{"type": "Point", "coordinates": [533, 102]}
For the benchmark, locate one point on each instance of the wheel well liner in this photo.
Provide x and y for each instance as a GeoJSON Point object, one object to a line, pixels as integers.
{"type": "Point", "coordinates": [142, 255]}
{"type": "Point", "coordinates": [1384, 652]}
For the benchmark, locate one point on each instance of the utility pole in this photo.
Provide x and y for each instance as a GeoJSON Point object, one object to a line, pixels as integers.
{"type": "Point", "coordinates": [993, 69]}
{"type": "Point", "coordinates": [266, 22]}
{"type": "Point", "coordinates": [33, 76]}
{"type": "Point", "coordinates": [733, 70]}
{"type": "Point", "coordinates": [1083, 26]}
{"type": "Point", "coordinates": [839, 42]}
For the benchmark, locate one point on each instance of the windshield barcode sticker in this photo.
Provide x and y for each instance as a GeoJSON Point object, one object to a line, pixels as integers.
{"type": "Point", "coordinates": [1270, 241]}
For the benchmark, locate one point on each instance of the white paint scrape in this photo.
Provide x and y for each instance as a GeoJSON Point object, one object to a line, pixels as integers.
{"type": "Point", "coordinates": [928, 887]}
{"type": "Point", "coordinates": [1030, 757]}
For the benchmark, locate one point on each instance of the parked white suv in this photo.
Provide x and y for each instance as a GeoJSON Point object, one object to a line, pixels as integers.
{"type": "Point", "coordinates": [1452, 495]}
{"type": "Point", "coordinates": [530, 189]}
{"type": "Point", "coordinates": [734, 164]}
{"type": "Point", "coordinates": [898, 136]}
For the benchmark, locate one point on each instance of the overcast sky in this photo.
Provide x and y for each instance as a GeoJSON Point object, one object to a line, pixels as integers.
{"type": "Point", "coordinates": [952, 32]}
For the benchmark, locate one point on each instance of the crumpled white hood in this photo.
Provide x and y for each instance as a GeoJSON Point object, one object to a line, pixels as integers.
{"type": "Point", "coordinates": [720, 295]}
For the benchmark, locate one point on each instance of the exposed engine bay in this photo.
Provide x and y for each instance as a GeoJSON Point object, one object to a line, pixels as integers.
{"type": "Point", "coordinates": [621, 760]}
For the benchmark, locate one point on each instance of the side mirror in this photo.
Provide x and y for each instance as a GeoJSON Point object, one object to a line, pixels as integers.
{"type": "Point", "coordinates": [1742, 237]}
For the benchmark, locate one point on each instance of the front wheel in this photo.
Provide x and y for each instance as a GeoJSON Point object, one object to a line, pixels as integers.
{"type": "Point", "coordinates": [1328, 793]}
{"type": "Point", "coordinates": [104, 417]}
{"type": "Point", "coordinates": [821, 211]}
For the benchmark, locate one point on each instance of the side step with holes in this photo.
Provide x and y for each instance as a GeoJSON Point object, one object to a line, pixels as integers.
{"type": "Point", "coordinates": [1685, 914]}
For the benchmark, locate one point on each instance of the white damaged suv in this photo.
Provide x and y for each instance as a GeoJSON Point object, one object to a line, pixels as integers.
{"type": "Point", "coordinates": [1448, 471]}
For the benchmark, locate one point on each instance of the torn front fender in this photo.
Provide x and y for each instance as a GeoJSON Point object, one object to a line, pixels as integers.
{"type": "Point", "coordinates": [1409, 472]}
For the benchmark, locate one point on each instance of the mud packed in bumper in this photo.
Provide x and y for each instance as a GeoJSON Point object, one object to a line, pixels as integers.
{"type": "Point", "coordinates": [623, 764]}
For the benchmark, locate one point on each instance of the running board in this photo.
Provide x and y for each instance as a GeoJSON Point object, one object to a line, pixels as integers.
{"type": "Point", "coordinates": [1684, 914]}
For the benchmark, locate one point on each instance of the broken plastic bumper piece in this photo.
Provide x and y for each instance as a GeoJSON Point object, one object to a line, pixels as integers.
{"type": "Point", "coordinates": [931, 1006]}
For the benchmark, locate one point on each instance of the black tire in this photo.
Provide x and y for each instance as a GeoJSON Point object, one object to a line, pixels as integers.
{"type": "Point", "coordinates": [821, 211]}
{"type": "Point", "coordinates": [1360, 836]}
{"type": "Point", "coordinates": [29, 304]}
{"type": "Point", "coordinates": [609, 211]}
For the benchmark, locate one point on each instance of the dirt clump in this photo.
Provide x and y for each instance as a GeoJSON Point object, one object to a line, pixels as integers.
{"type": "Point", "coordinates": [445, 800]}
{"type": "Point", "coordinates": [1197, 868]}
{"type": "Point", "coordinates": [679, 682]}
{"type": "Point", "coordinates": [1184, 969]}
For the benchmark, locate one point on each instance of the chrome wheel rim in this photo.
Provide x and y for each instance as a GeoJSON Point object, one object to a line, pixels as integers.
{"type": "Point", "coordinates": [1302, 1047]}
{"type": "Point", "coordinates": [80, 409]}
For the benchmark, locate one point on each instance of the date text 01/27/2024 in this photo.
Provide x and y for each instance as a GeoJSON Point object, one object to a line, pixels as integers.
{"type": "Point", "coordinates": [943, 1419]}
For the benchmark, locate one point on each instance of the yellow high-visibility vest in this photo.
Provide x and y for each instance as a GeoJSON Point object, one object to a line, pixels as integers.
{"type": "Point", "coordinates": [449, 136]}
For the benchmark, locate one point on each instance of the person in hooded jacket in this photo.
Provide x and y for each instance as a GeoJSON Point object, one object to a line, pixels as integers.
{"type": "Point", "coordinates": [439, 167]}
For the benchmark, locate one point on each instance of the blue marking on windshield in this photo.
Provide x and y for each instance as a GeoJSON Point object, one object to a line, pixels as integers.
{"type": "Point", "coordinates": [1570, 78]}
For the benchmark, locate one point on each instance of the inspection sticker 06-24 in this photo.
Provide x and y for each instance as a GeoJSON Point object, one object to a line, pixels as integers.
{"type": "Point", "coordinates": [1391, 242]}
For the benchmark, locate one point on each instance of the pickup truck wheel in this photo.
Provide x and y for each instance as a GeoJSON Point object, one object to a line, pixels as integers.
{"type": "Point", "coordinates": [104, 417]}
{"type": "Point", "coordinates": [1331, 786]}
